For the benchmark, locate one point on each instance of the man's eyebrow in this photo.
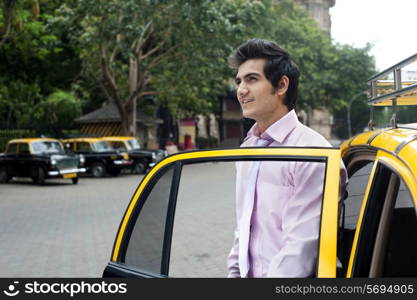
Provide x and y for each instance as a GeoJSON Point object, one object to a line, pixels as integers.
{"type": "Point", "coordinates": [248, 75]}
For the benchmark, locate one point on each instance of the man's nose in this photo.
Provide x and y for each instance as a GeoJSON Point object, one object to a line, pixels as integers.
{"type": "Point", "coordinates": [242, 90]}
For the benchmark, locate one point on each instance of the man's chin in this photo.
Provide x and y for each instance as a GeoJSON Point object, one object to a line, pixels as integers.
{"type": "Point", "coordinates": [248, 115]}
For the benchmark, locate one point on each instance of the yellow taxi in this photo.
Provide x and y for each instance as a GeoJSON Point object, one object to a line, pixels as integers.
{"type": "Point", "coordinates": [39, 159]}
{"type": "Point", "coordinates": [143, 159]}
{"type": "Point", "coordinates": [181, 219]}
{"type": "Point", "coordinates": [100, 157]}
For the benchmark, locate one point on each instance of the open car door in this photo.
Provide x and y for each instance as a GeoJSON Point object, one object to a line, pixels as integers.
{"type": "Point", "coordinates": [181, 219]}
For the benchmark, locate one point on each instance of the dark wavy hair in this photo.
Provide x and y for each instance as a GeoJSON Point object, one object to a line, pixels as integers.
{"type": "Point", "coordinates": [278, 63]}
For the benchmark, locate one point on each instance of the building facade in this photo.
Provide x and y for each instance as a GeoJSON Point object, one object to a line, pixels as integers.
{"type": "Point", "coordinates": [319, 11]}
{"type": "Point", "coordinates": [105, 121]}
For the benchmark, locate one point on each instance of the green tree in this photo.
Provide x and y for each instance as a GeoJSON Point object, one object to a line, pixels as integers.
{"type": "Point", "coordinates": [352, 68]}
{"type": "Point", "coordinates": [8, 7]}
{"type": "Point", "coordinates": [58, 111]}
{"type": "Point", "coordinates": [18, 103]}
{"type": "Point", "coordinates": [310, 48]}
{"type": "Point", "coordinates": [176, 50]}
{"type": "Point", "coordinates": [331, 74]}
{"type": "Point", "coordinates": [35, 60]}
{"type": "Point", "coordinates": [12, 12]}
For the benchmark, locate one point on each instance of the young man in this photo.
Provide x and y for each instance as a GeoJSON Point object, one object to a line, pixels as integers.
{"type": "Point", "coordinates": [278, 204]}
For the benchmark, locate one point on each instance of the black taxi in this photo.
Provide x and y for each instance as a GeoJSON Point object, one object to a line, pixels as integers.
{"type": "Point", "coordinates": [181, 219]}
{"type": "Point", "coordinates": [39, 159]}
{"type": "Point", "coordinates": [100, 157]}
{"type": "Point", "coordinates": [143, 159]}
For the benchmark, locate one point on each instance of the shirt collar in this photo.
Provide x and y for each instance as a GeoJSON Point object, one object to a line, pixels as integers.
{"type": "Point", "coordinates": [279, 130]}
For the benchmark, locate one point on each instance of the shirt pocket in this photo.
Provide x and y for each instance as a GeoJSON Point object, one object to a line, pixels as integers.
{"type": "Point", "coordinates": [272, 199]}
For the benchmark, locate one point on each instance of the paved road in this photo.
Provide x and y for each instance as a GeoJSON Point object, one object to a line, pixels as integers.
{"type": "Point", "coordinates": [61, 229]}
{"type": "Point", "coordinates": [66, 230]}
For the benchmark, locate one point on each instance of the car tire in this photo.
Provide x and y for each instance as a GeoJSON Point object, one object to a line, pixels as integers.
{"type": "Point", "coordinates": [40, 176]}
{"type": "Point", "coordinates": [98, 169]}
{"type": "Point", "coordinates": [74, 180]}
{"type": "Point", "coordinates": [140, 167]}
{"type": "Point", "coordinates": [4, 176]}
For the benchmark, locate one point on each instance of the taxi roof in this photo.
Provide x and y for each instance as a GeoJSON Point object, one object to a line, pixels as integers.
{"type": "Point", "coordinates": [118, 138]}
{"type": "Point", "coordinates": [88, 140]}
{"type": "Point", "coordinates": [400, 142]}
{"type": "Point", "coordinates": [30, 140]}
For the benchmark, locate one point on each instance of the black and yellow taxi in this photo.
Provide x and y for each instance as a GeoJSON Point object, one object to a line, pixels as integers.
{"type": "Point", "coordinates": [143, 159]}
{"type": "Point", "coordinates": [100, 157]}
{"type": "Point", "coordinates": [180, 220]}
{"type": "Point", "coordinates": [39, 159]}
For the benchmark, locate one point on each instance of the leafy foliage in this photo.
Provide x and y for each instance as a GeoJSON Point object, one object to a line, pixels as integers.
{"type": "Point", "coordinates": [58, 110]}
{"type": "Point", "coordinates": [18, 103]}
{"type": "Point", "coordinates": [331, 74]}
{"type": "Point", "coordinates": [175, 50]}
{"type": "Point", "coordinates": [59, 56]}
{"type": "Point", "coordinates": [352, 69]}
{"type": "Point", "coordinates": [35, 60]}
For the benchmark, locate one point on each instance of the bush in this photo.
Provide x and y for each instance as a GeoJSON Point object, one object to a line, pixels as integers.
{"type": "Point", "coordinates": [9, 134]}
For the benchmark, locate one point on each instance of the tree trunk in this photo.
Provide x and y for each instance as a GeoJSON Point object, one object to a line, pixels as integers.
{"type": "Point", "coordinates": [9, 117]}
{"type": "Point", "coordinates": [125, 123]}
{"type": "Point", "coordinates": [126, 119]}
{"type": "Point", "coordinates": [113, 93]}
{"type": "Point", "coordinates": [9, 10]}
{"type": "Point", "coordinates": [35, 9]}
{"type": "Point", "coordinates": [133, 84]}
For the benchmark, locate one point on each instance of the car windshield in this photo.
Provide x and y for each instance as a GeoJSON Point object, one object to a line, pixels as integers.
{"type": "Point", "coordinates": [102, 146]}
{"type": "Point", "coordinates": [134, 144]}
{"type": "Point", "coordinates": [119, 145]}
{"type": "Point", "coordinates": [47, 147]}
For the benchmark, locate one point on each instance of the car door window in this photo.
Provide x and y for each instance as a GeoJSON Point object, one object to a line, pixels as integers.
{"type": "Point", "coordinates": [145, 246]}
{"type": "Point", "coordinates": [24, 148]}
{"type": "Point", "coordinates": [395, 252]}
{"type": "Point", "coordinates": [359, 173]}
{"type": "Point", "coordinates": [204, 220]}
{"type": "Point", "coordinates": [401, 252]}
{"type": "Point", "coordinates": [12, 148]}
{"type": "Point", "coordinates": [83, 146]}
{"type": "Point", "coordinates": [118, 145]}
{"type": "Point", "coordinates": [382, 190]}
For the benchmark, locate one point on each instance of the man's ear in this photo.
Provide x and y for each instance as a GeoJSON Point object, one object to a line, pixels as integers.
{"type": "Point", "coordinates": [283, 85]}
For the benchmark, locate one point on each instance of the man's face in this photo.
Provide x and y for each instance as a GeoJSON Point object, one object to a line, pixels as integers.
{"type": "Point", "coordinates": [254, 91]}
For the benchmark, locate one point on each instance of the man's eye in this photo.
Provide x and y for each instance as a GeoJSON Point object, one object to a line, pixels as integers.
{"type": "Point", "coordinates": [252, 78]}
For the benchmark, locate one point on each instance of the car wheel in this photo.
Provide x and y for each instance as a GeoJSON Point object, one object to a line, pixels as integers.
{"type": "Point", "coordinates": [140, 167]}
{"type": "Point", "coordinates": [74, 180]}
{"type": "Point", "coordinates": [4, 176]}
{"type": "Point", "coordinates": [40, 176]}
{"type": "Point", "coordinates": [98, 169]}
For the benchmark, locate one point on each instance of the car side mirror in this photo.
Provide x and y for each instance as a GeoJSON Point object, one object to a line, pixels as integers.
{"type": "Point", "coordinates": [68, 148]}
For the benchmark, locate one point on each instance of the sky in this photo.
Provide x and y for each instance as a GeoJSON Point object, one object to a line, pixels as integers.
{"type": "Point", "coordinates": [390, 25]}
